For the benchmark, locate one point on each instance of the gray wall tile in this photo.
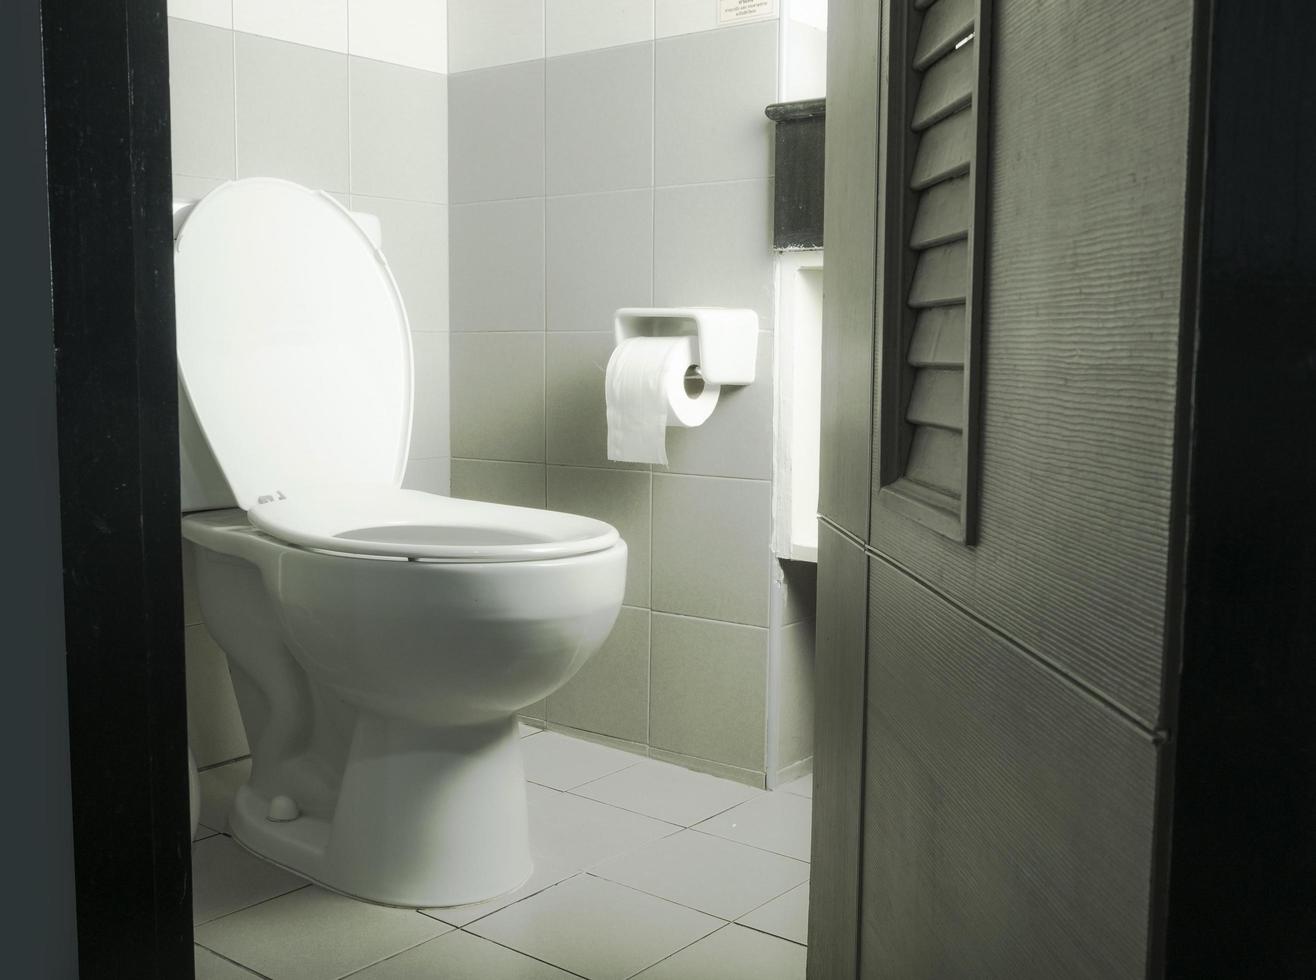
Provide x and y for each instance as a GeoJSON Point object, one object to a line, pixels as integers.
{"type": "Point", "coordinates": [575, 414]}
{"type": "Point", "coordinates": [600, 257]}
{"type": "Point", "coordinates": [519, 484]}
{"type": "Point", "coordinates": [201, 99]}
{"type": "Point", "coordinates": [713, 246]}
{"type": "Point", "coordinates": [399, 131]}
{"type": "Point", "coordinates": [496, 133]}
{"type": "Point", "coordinates": [430, 475]}
{"type": "Point", "coordinates": [709, 93]}
{"type": "Point", "coordinates": [737, 439]}
{"type": "Point", "coordinates": [794, 708]}
{"type": "Point", "coordinates": [709, 685]}
{"type": "Point", "coordinates": [415, 242]}
{"type": "Point", "coordinates": [429, 421]}
{"type": "Point", "coordinates": [497, 396]}
{"type": "Point", "coordinates": [711, 555]}
{"type": "Point", "coordinates": [600, 120]}
{"type": "Point", "coordinates": [610, 694]}
{"type": "Point", "coordinates": [291, 112]}
{"type": "Point", "coordinates": [498, 265]}
{"type": "Point", "coordinates": [620, 497]}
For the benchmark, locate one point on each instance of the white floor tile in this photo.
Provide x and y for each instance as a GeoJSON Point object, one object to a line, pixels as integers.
{"type": "Point", "coordinates": [667, 792]}
{"type": "Point", "coordinates": [212, 967]}
{"type": "Point", "coordinates": [312, 934]}
{"type": "Point", "coordinates": [561, 762]}
{"type": "Point", "coordinates": [598, 929]}
{"type": "Point", "coordinates": [787, 916]}
{"type": "Point", "coordinates": [202, 832]}
{"type": "Point", "coordinates": [226, 878]}
{"type": "Point", "coordinates": [733, 953]}
{"type": "Point", "coordinates": [577, 833]}
{"type": "Point", "coordinates": [218, 787]}
{"type": "Point", "coordinates": [800, 787]}
{"type": "Point", "coordinates": [706, 873]}
{"type": "Point", "coordinates": [525, 731]}
{"type": "Point", "coordinates": [773, 821]}
{"type": "Point", "coordinates": [546, 874]}
{"type": "Point", "coordinates": [461, 956]}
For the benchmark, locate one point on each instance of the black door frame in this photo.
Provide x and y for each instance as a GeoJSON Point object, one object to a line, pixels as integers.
{"type": "Point", "coordinates": [106, 73]}
{"type": "Point", "coordinates": [1238, 867]}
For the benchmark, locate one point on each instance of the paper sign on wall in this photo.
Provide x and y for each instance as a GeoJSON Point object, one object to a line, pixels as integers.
{"type": "Point", "coordinates": [736, 11]}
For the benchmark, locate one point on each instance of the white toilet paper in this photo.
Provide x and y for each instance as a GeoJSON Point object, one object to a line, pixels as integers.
{"type": "Point", "coordinates": [646, 391]}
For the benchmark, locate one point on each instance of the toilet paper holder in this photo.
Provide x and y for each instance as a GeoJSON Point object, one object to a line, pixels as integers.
{"type": "Point", "coordinates": [727, 339]}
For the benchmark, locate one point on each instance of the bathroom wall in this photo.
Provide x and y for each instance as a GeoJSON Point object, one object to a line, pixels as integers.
{"type": "Point", "coordinates": [601, 155]}
{"type": "Point", "coordinates": [606, 155]}
{"type": "Point", "coordinates": [345, 95]}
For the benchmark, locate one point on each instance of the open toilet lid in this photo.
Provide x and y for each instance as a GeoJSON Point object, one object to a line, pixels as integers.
{"type": "Point", "coordinates": [293, 344]}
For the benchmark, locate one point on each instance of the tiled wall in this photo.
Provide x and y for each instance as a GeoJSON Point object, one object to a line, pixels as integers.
{"type": "Point", "coordinates": [607, 154]}
{"type": "Point", "coordinates": [584, 155]}
{"type": "Point", "coordinates": [349, 96]}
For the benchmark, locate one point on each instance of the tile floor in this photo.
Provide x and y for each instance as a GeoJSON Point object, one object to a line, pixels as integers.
{"type": "Point", "coordinates": [642, 869]}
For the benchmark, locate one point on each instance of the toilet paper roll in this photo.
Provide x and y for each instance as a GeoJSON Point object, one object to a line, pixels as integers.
{"type": "Point", "coordinates": [652, 384]}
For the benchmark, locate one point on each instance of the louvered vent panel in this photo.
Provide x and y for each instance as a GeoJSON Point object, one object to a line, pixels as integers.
{"type": "Point", "coordinates": [944, 72]}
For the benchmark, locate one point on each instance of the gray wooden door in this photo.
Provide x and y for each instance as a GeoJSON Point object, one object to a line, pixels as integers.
{"type": "Point", "coordinates": [1002, 704]}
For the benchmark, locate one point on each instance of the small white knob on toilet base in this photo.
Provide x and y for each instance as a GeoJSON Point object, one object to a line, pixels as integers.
{"type": "Point", "coordinates": [283, 809]}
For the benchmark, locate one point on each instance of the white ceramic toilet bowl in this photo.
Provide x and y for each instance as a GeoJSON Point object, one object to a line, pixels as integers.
{"type": "Point", "coordinates": [380, 692]}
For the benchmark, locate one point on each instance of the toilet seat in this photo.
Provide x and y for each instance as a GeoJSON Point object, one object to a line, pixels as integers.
{"type": "Point", "coordinates": [386, 522]}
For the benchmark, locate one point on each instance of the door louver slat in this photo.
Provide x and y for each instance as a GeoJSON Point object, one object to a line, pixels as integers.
{"type": "Point", "coordinates": [947, 86]}
{"type": "Point", "coordinates": [938, 338]}
{"type": "Point", "coordinates": [945, 24]}
{"type": "Point", "coordinates": [941, 276]}
{"type": "Point", "coordinates": [943, 214]}
{"type": "Point", "coordinates": [934, 460]}
{"type": "Point", "coordinates": [944, 151]}
{"type": "Point", "coordinates": [938, 399]}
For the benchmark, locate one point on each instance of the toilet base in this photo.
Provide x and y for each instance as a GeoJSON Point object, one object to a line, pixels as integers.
{"type": "Point", "coordinates": [425, 818]}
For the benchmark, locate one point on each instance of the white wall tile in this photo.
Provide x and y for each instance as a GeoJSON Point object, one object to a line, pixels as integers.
{"type": "Point", "coordinates": [805, 63]}
{"type": "Point", "coordinates": [484, 33]}
{"type": "Point", "coordinates": [217, 13]}
{"type": "Point", "coordinates": [586, 25]}
{"type": "Point", "coordinates": [404, 32]}
{"type": "Point", "coordinates": [811, 12]}
{"type": "Point", "coordinates": [319, 23]}
{"type": "Point", "coordinates": [684, 16]}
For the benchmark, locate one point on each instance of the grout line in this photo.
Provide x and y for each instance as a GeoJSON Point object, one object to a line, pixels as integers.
{"type": "Point", "coordinates": [228, 959]}
{"type": "Point", "coordinates": [263, 901]}
{"type": "Point", "coordinates": [226, 762]}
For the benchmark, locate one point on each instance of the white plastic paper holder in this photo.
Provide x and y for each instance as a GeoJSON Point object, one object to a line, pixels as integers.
{"type": "Point", "coordinates": [727, 338]}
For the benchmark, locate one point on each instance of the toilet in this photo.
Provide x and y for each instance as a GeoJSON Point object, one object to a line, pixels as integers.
{"type": "Point", "coordinates": [381, 641]}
